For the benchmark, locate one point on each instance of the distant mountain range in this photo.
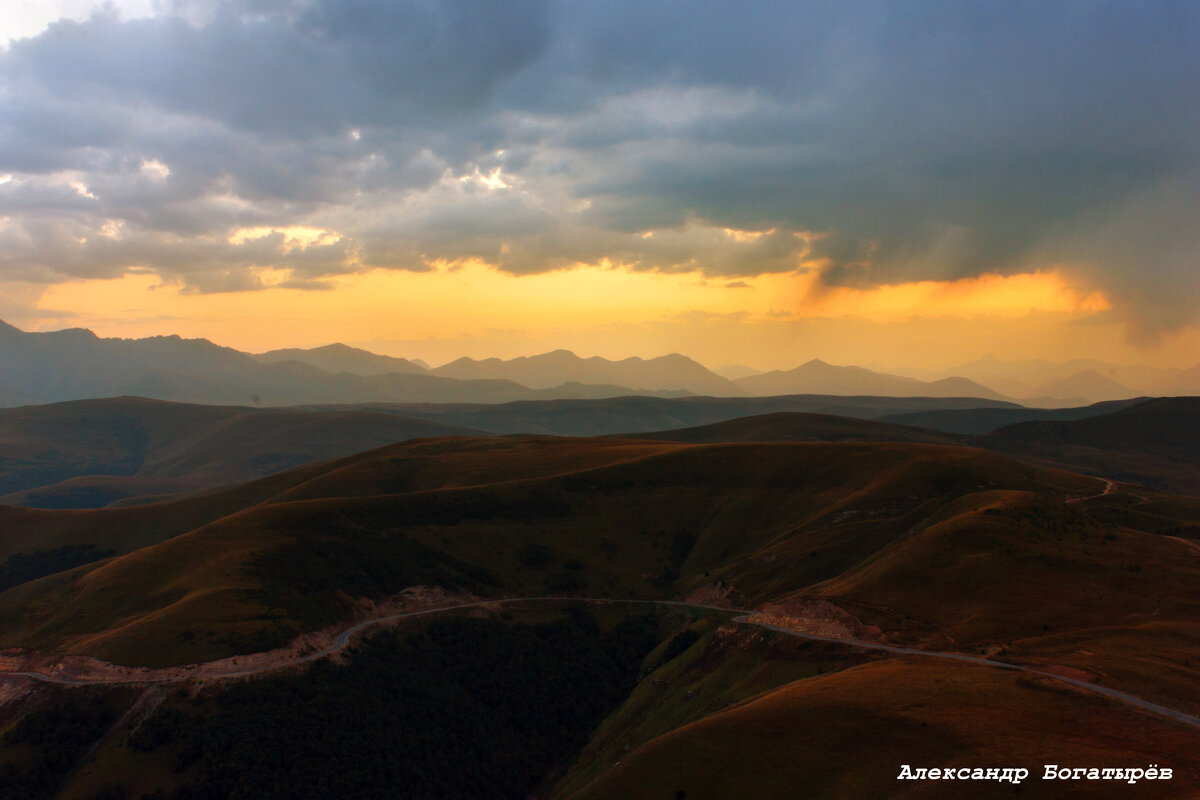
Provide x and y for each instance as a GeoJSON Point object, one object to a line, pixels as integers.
{"type": "Point", "coordinates": [818, 377]}
{"type": "Point", "coordinates": [342, 358]}
{"type": "Point", "coordinates": [735, 371]}
{"type": "Point", "coordinates": [76, 364]}
{"type": "Point", "coordinates": [671, 373]}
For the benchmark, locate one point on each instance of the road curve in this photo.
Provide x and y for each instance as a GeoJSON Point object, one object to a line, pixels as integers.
{"type": "Point", "coordinates": [1110, 487]}
{"type": "Point", "coordinates": [343, 640]}
{"type": "Point", "coordinates": [744, 618]}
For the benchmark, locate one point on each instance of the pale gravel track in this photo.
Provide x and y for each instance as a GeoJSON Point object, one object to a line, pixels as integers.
{"type": "Point", "coordinates": [1110, 487]}
{"type": "Point", "coordinates": [743, 618]}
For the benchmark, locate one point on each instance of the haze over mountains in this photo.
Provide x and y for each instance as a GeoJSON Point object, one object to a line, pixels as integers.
{"type": "Point", "coordinates": [342, 358]}
{"type": "Point", "coordinates": [670, 372]}
{"type": "Point", "coordinates": [1078, 378]}
{"type": "Point", "coordinates": [76, 364]}
{"type": "Point", "coordinates": [817, 377]}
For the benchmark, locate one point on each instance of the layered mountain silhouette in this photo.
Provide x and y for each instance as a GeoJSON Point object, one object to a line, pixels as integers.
{"type": "Point", "coordinates": [670, 372]}
{"type": "Point", "coordinates": [1088, 384]}
{"type": "Point", "coordinates": [818, 377]}
{"type": "Point", "coordinates": [735, 371]}
{"type": "Point", "coordinates": [76, 364]}
{"type": "Point", "coordinates": [343, 358]}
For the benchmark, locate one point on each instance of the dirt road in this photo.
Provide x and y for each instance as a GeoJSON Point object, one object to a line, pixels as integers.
{"type": "Point", "coordinates": [745, 617]}
{"type": "Point", "coordinates": [1110, 487]}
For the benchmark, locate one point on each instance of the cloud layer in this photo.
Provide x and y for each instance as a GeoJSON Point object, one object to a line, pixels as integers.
{"type": "Point", "coordinates": [877, 142]}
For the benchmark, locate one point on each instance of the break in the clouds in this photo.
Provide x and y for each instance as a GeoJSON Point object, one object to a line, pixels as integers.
{"type": "Point", "coordinates": [229, 146]}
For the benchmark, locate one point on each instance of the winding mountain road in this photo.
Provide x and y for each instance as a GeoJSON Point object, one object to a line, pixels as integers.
{"type": "Point", "coordinates": [1110, 487]}
{"type": "Point", "coordinates": [745, 617]}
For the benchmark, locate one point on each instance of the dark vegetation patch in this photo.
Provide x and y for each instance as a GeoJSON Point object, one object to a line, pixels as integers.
{"type": "Point", "coordinates": [101, 444]}
{"type": "Point", "coordinates": [44, 746]}
{"type": "Point", "coordinates": [450, 507]}
{"type": "Point", "coordinates": [465, 708]}
{"type": "Point", "coordinates": [364, 552]}
{"type": "Point", "coordinates": [1049, 519]}
{"type": "Point", "coordinates": [63, 497]}
{"type": "Point", "coordinates": [536, 555]}
{"type": "Point", "coordinates": [23, 567]}
{"type": "Point", "coordinates": [681, 546]}
{"type": "Point", "coordinates": [679, 643]}
{"type": "Point", "coordinates": [259, 640]}
{"type": "Point", "coordinates": [563, 582]}
{"type": "Point", "coordinates": [304, 576]}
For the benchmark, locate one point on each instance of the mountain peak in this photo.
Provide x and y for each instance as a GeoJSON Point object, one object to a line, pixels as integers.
{"type": "Point", "coordinates": [560, 354]}
{"type": "Point", "coordinates": [673, 372]}
{"type": "Point", "coordinates": [82, 333]}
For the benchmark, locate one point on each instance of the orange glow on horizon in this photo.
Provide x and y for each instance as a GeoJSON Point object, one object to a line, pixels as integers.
{"type": "Point", "coordinates": [460, 299]}
{"type": "Point", "coordinates": [473, 304]}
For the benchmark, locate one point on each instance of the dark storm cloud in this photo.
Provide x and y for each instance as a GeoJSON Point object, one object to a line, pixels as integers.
{"type": "Point", "coordinates": [921, 139]}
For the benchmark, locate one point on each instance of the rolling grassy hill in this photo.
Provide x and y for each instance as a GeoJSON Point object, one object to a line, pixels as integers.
{"type": "Point", "coordinates": [931, 545]}
{"type": "Point", "coordinates": [635, 415]}
{"type": "Point", "coordinates": [792, 427]}
{"type": "Point", "coordinates": [1153, 442]}
{"type": "Point", "coordinates": [1156, 442]}
{"type": "Point", "coordinates": [847, 734]}
{"type": "Point", "coordinates": [528, 516]}
{"type": "Point", "coordinates": [89, 453]}
{"type": "Point", "coordinates": [986, 420]}
{"type": "Point", "coordinates": [93, 453]}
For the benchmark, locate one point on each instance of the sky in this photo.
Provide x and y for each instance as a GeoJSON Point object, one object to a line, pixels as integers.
{"type": "Point", "coordinates": [910, 183]}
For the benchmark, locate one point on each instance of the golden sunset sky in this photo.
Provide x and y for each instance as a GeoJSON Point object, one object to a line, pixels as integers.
{"type": "Point", "coordinates": [881, 184]}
